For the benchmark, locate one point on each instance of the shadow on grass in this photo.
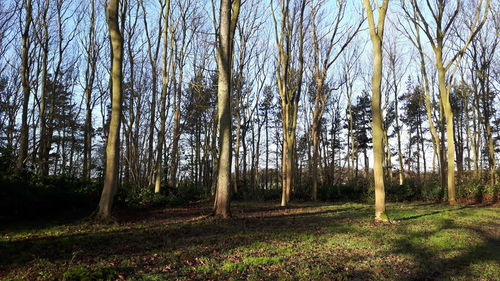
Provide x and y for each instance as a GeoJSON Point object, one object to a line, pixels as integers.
{"type": "Point", "coordinates": [432, 263]}
{"type": "Point", "coordinates": [431, 213]}
{"type": "Point", "coordinates": [161, 241]}
{"type": "Point", "coordinates": [207, 236]}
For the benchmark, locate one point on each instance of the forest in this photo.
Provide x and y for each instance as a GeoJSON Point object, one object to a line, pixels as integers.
{"type": "Point", "coordinates": [249, 140]}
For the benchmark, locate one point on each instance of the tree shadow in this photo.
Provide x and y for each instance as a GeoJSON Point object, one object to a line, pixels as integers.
{"type": "Point", "coordinates": [178, 236]}
{"type": "Point", "coordinates": [430, 263]}
{"type": "Point", "coordinates": [206, 235]}
{"type": "Point", "coordinates": [431, 213]}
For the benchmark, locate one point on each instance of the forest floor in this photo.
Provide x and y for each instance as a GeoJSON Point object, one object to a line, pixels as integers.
{"type": "Point", "coordinates": [307, 241]}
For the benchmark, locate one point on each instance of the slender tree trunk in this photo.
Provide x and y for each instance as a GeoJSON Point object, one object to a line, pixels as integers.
{"type": "Point", "coordinates": [315, 160]}
{"type": "Point", "coordinates": [428, 107]}
{"type": "Point", "coordinates": [163, 101]}
{"type": "Point", "coordinates": [491, 151]}
{"type": "Point", "coordinates": [267, 149]}
{"type": "Point", "coordinates": [448, 115]}
{"type": "Point", "coordinates": [25, 72]}
{"type": "Point", "coordinates": [398, 134]}
{"type": "Point", "coordinates": [176, 133]}
{"type": "Point", "coordinates": [422, 146]}
{"type": "Point", "coordinates": [351, 133]}
{"type": "Point", "coordinates": [237, 150]}
{"type": "Point", "coordinates": [376, 34]}
{"type": "Point", "coordinates": [468, 133]}
{"type": "Point", "coordinates": [113, 141]}
{"type": "Point", "coordinates": [317, 114]}
{"type": "Point", "coordinates": [44, 145]}
{"type": "Point", "coordinates": [245, 153]}
{"type": "Point", "coordinates": [89, 84]}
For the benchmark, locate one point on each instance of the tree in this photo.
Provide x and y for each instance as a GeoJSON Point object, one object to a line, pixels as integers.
{"type": "Point", "coordinates": [325, 53]}
{"type": "Point", "coordinates": [153, 51]}
{"type": "Point", "coordinates": [394, 60]}
{"type": "Point", "coordinates": [229, 12]}
{"type": "Point", "coordinates": [444, 16]}
{"type": "Point", "coordinates": [163, 99]}
{"type": "Point", "coordinates": [361, 118]}
{"type": "Point", "coordinates": [289, 86]}
{"type": "Point", "coordinates": [113, 140]}
{"type": "Point", "coordinates": [482, 56]}
{"type": "Point", "coordinates": [377, 36]}
{"type": "Point", "coordinates": [414, 36]}
{"type": "Point", "coordinates": [91, 51]}
{"type": "Point", "coordinates": [414, 112]}
{"type": "Point", "coordinates": [25, 81]}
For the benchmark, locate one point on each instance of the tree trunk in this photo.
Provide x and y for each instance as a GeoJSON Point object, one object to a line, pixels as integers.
{"type": "Point", "coordinates": [176, 133]}
{"type": "Point", "coordinates": [25, 73]}
{"type": "Point", "coordinates": [113, 141]}
{"type": "Point", "coordinates": [89, 84]}
{"type": "Point", "coordinates": [44, 145]}
{"type": "Point", "coordinates": [163, 101]}
{"type": "Point", "coordinates": [228, 19]}
{"type": "Point", "coordinates": [376, 35]}
{"type": "Point", "coordinates": [317, 115]}
{"type": "Point", "coordinates": [448, 115]}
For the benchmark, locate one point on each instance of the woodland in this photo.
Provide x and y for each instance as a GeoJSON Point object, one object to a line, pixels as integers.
{"type": "Point", "coordinates": [249, 140]}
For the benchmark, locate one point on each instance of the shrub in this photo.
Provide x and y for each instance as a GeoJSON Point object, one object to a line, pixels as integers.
{"type": "Point", "coordinates": [25, 194]}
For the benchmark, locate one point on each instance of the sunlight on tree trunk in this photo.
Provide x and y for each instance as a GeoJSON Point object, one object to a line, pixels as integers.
{"type": "Point", "coordinates": [113, 142]}
{"type": "Point", "coordinates": [377, 35]}
{"type": "Point", "coordinates": [227, 25]}
{"type": "Point", "coordinates": [163, 99]}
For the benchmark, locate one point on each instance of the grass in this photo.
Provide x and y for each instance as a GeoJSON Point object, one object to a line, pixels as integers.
{"type": "Point", "coordinates": [262, 242]}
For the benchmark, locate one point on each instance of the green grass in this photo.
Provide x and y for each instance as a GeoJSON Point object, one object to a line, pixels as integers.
{"type": "Point", "coordinates": [262, 242]}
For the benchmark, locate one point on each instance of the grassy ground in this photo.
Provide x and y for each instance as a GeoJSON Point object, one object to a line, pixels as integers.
{"type": "Point", "coordinates": [263, 242]}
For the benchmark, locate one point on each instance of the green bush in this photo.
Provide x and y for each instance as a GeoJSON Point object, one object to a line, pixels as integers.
{"type": "Point", "coordinates": [476, 189]}
{"type": "Point", "coordinates": [355, 190]}
{"type": "Point", "coordinates": [25, 194]}
{"type": "Point", "coordinates": [146, 197]}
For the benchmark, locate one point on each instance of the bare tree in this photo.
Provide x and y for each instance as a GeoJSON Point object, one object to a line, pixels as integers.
{"type": "Point", "coordinates": [377, 36]}
{"type": "Point", "coordinates": [443, 17]}
{"type": "Point", "coordinates": [289, 85]}
{"type": "Point", "coordinates": [327, 48]}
